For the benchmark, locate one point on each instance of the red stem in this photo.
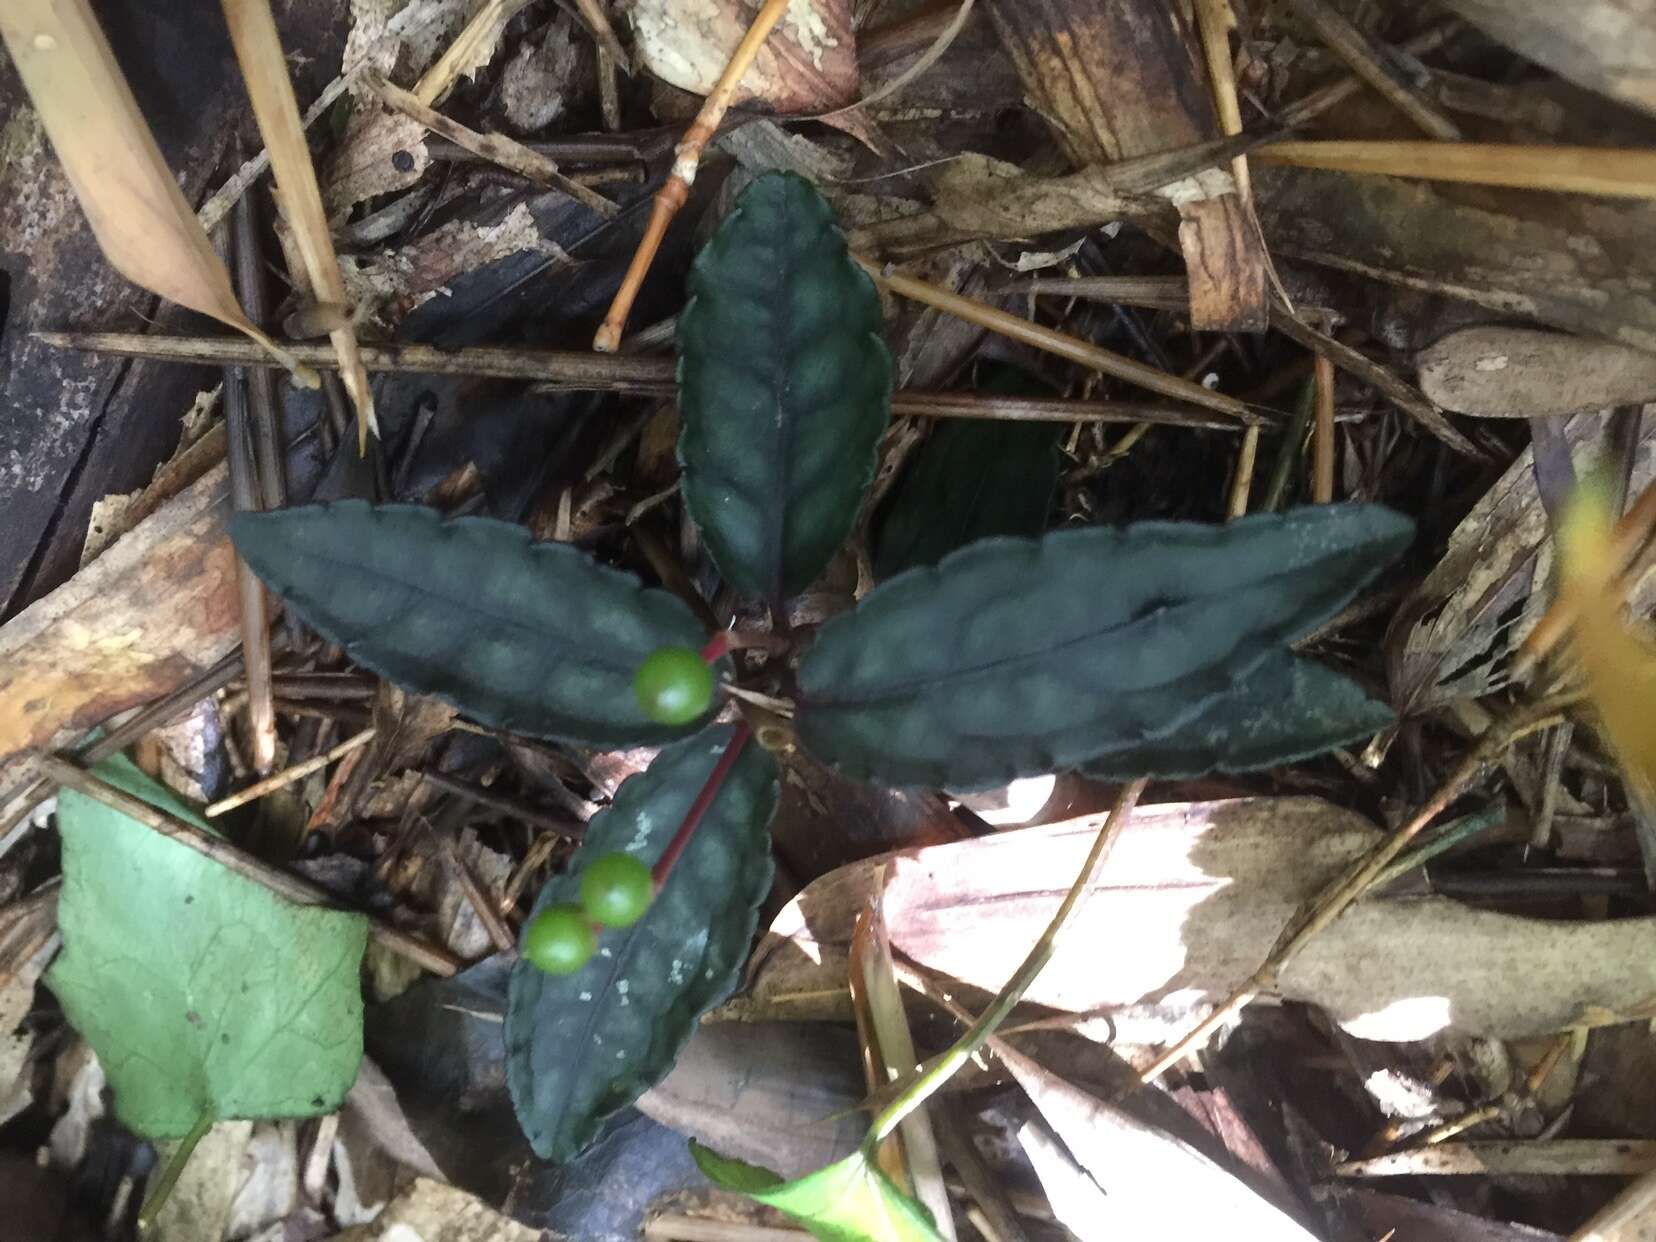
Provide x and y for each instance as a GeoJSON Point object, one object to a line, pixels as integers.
{"type": "Point", "coordinates": [716, 648]}
{"type": "Point", "coordinates": [698, 808]}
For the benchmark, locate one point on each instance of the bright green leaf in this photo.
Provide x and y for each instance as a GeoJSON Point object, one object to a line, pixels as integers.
{"type": "Point", "coordinates": [203, 993]}
{"type": "Point", "coordinates": [849, 1201]}
{"type": "Point", "coordinates": [537, 638]}
{"type": "Point", "coordinates": [1285, 710]}
{"type": "Point", "coordinates": [785, 386]}
{"type": "Point", "coordinates": [583, 1045]}
{"type": "Point", "coordinates": [1014, 657]}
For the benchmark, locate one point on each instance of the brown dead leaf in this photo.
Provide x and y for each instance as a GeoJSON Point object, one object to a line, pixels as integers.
{"type": "Point", "coordinates": [1188, 905]}
{"type": "Point", "coordinates": [433, 1212]}
{"type": "Point", "coordinates": [404, 726]}
{"type": "Point", "coordinates": [28, 942]}
{"type": "Point", "coordinates": [780, 1094]}
{"type": "Point", "coordinates": [1605, 45]}
{"type": "Point", "coordinates": [1122, 81]}
{"type": "Point", "coordinates": [1583, 266]}
{"type": "Point", "coordinates": [1496, 372]}
{"type": "Point", "coordinates": [809, 63]}
{"type": "Point", "coordinates": [201, 1200]}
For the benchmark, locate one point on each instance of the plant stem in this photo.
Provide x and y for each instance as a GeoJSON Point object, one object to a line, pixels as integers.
{"type": "Point", "coordinates": [1322, 442]}
{"type": "Point", "coordinates": [698, 808]}
{"type": "Point", "coordinates": [726, 641]}
{"type": "Point", "coordinates": [163, 1187]}
{"type": "Point", "coordinates": [945, 1066]}
{"type": "Point", "coordinates": [687, 159]}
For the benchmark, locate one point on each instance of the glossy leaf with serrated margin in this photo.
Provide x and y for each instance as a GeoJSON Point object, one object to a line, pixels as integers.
{"type": "Point", "coordinates": [972, 479]}
{"type": "Point", "coordinates": [203, 993]}
{"type": "Point", "coordinates": [581, 1046]}
{"type": "Point", "coordinates": [849, 1201]}
{"type": "Point", "coordinates": [785, 387]}
{"type": "Point", "coordinates": [537, 638]}
{"type": "Point", "coordinates": [1285, 710]}
{"type": "Point", "coordinates": [1014, 657]}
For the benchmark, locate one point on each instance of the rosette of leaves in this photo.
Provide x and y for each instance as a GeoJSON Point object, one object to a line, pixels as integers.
{"type": "Point", "coordinates": [1163, 645]}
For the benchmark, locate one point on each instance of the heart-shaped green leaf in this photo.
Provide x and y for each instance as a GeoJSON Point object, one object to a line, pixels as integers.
{"type": "Point", "coordinates": [849, 1201]}
{"type": "Point", "coordinates": [970, 480]}
{"type": "Point", "coordinates": [204, 994]}
{"type": "Point", "coordinates": [537, 638]}
{"type": "Point", "coordinates": [1285, 710]}
{"type": "Point", "coordinates": [581, 1046]}
{"type": "Point", "coordinates": [1014, 657]}
{"type": "Point", "coordinates": [785, 387]}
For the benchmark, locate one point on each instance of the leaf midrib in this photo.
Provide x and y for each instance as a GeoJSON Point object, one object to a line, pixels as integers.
{"type": "Point", "coordinates": [912, 687]}
{"type": "Point", "coordinates": [470, 608]}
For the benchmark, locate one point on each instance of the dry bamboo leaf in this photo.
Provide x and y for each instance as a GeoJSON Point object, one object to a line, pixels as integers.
{"type": "Point", "coordinates": [147, 615]}
{"type": "Point", "coordinates": [140, 217]}
{"type": "Point", "coordinates": [808, 64]}
{"type": "Point", "coordinates": [259, 52]}
{"type": "Point", "coordinates": [1454, 635]}
{"type": "Point", "coordinates": [1620, 666]}
{"type": "Point", "coordinates": [1575, 170]}
{"type": "Point", "coordinates": [1496, 372]}
{"type": "Point", "coordinates": [1190, 902]}
{"type": "Point", "coordinates": [1135, 1164]}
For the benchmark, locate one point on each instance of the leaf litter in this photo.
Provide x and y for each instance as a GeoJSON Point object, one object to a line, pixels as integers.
{"type": "Point", "coordinates": [1487, 346]}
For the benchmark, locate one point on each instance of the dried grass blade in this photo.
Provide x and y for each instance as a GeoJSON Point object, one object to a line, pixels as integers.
{"type": "Point", "coordinates": [264, 69]}
{"type": "Point", "coordinates": [1577, 170]}
{"type": "Point", "coordinates": [146, 229]}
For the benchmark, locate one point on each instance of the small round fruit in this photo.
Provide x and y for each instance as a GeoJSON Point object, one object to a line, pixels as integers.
{"type": "Point", "coordinates": [616, 890]}
{"type": "Point", "coordinates": [674, 685]}
{"type": "Point", "coordinates": [560, 939]}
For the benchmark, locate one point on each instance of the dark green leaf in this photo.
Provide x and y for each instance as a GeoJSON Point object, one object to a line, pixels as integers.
{"type": "Point", "coordinates": [203, 993]}
{"type": "Point", "coordinates": [1014, 657]}
{"type": "Point", "coordinates": [970, 480]}
{"type": "Point", "coordinates": [849, 1201]}
{"type": "Point", "coordinates": [533, 637]}
{"type": "Point", "coordinates": [581, 1046]}
{"type": "Point", "coordinates": [1285, 710]}
{"type": "Point", "coordinates": [785, 387]}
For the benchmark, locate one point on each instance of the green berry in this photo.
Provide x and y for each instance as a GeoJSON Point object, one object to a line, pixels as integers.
{"type": "Point", "coordinates": [560, 939]}
{"type": "Point", "coordinates": [674, 685]}
{"type": "Point", "coordinates": [616, 890]}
